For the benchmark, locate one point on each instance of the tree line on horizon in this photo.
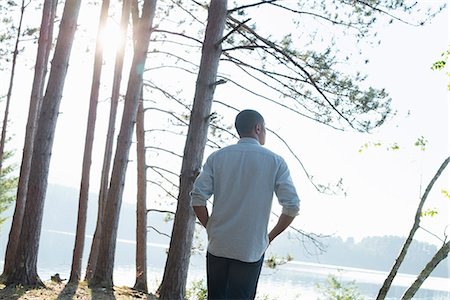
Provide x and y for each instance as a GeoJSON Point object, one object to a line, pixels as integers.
{"type": "Point", "coordinates": [301, 77]}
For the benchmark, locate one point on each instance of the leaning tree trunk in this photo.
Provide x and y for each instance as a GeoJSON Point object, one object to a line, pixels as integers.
{"type": "Point", "coordinates": [25, 272]}
{"type": "Point", "coordinates": [11, 82]}
{"type": "Point", "coordinates": [117, 79]}
{"type": "Point", "coordinates": [388, 281]}
{"type": "Point", "coordinates": [437, 258]}
{"type": "Point", "coordinates": [141, 205]}
{"type": "Point", "coordinates": [75, 273]}
{"type": "Point", "coordinates": [173, 285]}
{"type": "Point", "coordinates": [40, 70]}
{"type": "Point", "coordinates": [102, 276]}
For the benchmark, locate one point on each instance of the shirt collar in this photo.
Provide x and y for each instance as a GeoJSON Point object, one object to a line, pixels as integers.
{"type": "Point", "coordinates": [248, 140]}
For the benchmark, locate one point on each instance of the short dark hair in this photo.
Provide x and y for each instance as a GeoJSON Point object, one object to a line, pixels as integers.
{"type": "Point", "coordinates": [246, 121]}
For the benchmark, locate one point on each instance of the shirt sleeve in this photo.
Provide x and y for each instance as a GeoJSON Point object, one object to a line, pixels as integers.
{"type": "Point", "coordinates": [286, 192]}
{"type": "Point", "coordinates": [203, 186]}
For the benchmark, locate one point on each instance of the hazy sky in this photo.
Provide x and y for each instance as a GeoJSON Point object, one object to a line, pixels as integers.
{"type": "Point", "coordinates": [382, 187]}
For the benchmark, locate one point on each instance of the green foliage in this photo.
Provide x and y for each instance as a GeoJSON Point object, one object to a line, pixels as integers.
{"type": "Point", "coordinates": [9, 15]}
{"type": "Point", "coordinates": [421, 143]}
{"type": "Point", "coordinates": [439, 65]}
{"type": "Point", "coordinates": [432, 212]}
{"type": "Point", "coordinates": [7, 31]}
{"type": "Point", "coordinates": [429, 212]}
{"type": "Point", "coordinates": [273, 261]}
{"type": "Point", "coordinates": [306, 68]}
{"type": "Point", "coordinates": [368, 145]}
{"type": "Point", "coordinates": [334, 289]}
{"type": "Point", "coordinates": [197, 290]}
{"type": "Point", "coordinates": [8, 185]}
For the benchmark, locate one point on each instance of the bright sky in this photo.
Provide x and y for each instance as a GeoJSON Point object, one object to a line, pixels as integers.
{"type": "Point", "coordinates": [382, 187]}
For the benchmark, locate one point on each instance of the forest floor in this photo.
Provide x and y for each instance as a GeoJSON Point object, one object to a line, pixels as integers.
{"type": "Point", "coordinates": [61, 291]}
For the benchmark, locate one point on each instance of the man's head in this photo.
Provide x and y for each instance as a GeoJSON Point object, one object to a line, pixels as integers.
{"type": "Point", "coordinates": [250, 123]}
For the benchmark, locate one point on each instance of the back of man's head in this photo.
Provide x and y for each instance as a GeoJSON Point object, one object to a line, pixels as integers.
{"type": "Point", "coordinates": [246, 121]}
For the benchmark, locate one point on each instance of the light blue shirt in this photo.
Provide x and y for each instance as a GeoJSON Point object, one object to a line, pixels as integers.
{"type": "Point", "coordinates": [243, 178]}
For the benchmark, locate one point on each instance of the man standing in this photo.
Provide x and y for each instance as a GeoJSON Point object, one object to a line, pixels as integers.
{"type": "Point", "coordinates": [242, 178]}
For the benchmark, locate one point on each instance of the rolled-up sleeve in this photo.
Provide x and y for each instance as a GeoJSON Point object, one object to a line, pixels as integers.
{"type": "Point", "coordinates": [203, 186]}
{"type": "Point", "coordinates": [286, 192]}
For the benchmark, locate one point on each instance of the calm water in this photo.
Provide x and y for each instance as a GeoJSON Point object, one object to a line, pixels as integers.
{"type": "Point", "coordinates": [294, 280]}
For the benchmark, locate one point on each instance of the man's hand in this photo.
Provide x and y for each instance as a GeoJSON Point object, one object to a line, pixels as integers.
{"type": "Point", "coordinates": [202, 214]}
{"type": "Point", "coordinates": [283, 222]}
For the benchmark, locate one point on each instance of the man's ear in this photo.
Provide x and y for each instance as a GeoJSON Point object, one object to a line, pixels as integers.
{"type": "Point", "coordinates": [258, 128]}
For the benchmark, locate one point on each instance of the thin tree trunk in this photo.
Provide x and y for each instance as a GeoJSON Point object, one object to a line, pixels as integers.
{"type": "Point", "coordinates": [40, 70]}
{"type": "Point", "coordinates": [25, 272]}
{"type": "Point", "coordinates": [437, 258]}
{"type": "Point", "coordinates": [141, 205]}
{"type": "Point", "coordinates": [102, 276]}
{"type": "Point", "coordinates": [173, 285]}
{"type": "Point", "coordinates": [109, 139]}
{"type": "Point", "coordinates": [75, 273]}
{"type": "Point", "coordinates": [11, 82]}
{"type": "Point", "coordinates": [388, 281]}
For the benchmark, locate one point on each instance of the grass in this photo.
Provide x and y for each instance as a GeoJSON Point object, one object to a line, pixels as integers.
{"type": "Point", "coordinates": [62, 291]}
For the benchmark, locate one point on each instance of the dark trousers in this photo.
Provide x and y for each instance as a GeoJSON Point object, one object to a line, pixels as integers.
{"type": "Point", "coordinates": [232, 279]}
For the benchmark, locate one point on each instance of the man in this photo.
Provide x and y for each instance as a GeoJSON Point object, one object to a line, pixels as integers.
{"type": "Point", "coordinates": [242, 178]}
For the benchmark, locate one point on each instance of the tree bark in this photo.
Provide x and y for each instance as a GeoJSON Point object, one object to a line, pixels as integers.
{"type": "Point", "coordinates": [25, 272]}
{"type": "Point", "coordinates": [40, 70]}
{"type": "Point", "coordinates": [141, 205]}
{"type": "Point", "coordinates": [437, 258]}
{"type": "Point", "coordinates": [75, 273]}
{"type": "Point", "coordinates": [388, 281]}
{"type": "Point", "coordinates": [173, 285]}
{"type": "Point", "coordinates": [117, 79]}
{"type": "Point", "coordinates": [102, 276]}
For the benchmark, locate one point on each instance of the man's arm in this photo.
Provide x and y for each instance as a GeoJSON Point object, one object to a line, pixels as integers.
{"type": "Point", "coordinates": [202, 214]}
{"type": "Point", "coordinates": [283, 222]}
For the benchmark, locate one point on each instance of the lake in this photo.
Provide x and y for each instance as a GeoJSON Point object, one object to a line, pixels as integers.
{"type": "Point", "coordinates": [293, 280]}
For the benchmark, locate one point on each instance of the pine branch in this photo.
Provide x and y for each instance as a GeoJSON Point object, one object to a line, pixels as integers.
{"type": "Point", "coordinates": [160, 211]}
{"type": "Point", "coordinates": [165, 190]}
{"type": "Point", "coordinates": [308, 236]}
{"type": "Point", "coordinates": [166, 66]}
{"type": "Point", "coordinates": [164, 150]}
{"type": "Point", "coordinates": [280, 104]}
{"type": "Point", "coordinates": [154, 168]}
{"type": "Point", "coordinates": [250, 5]}
{"type": "Point", "coordinates": [150, 84]}
{"type": "Point", "coordinates": [175, 56]}
{"type": "Point", "coordinates": [179, 34]}
{"type": "Point", "coordinates": [159, 232]}
{"type": "Point", "coordinates": [431, 233]}
{"type": "Point", "coordinates": [291, 60]}
{"type": "Point", "coordinates": [183, 122]}
{"type": "Point", "coordinates": [349, 25]}
{"type": "Point", "coordinates": [234, 29]}
{"type": "Point", "coordinates": [383, 12]}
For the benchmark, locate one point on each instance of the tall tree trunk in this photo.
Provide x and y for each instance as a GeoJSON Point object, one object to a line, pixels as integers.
{"type": "Point", "coordinates": [102, 276]}
{"type": "Point", "coordinates": [173, 285]}
{"type": "Point", "coordinates": [11, 82]}
{"type": "Point", "coordinates": [437, 258]}
{"type": "Point", "coordinates": [141, 205]}
{"type": "Point", "coordinates": [25, 272]}
{"type": "Point", "coordinates": [75, 273]}
{"type": "Point", "coordinates": [40, 70]}
{"type": "Point", "coordinates": [388, 281]}
{"type": "Point", "coordinates": [117, 79]}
